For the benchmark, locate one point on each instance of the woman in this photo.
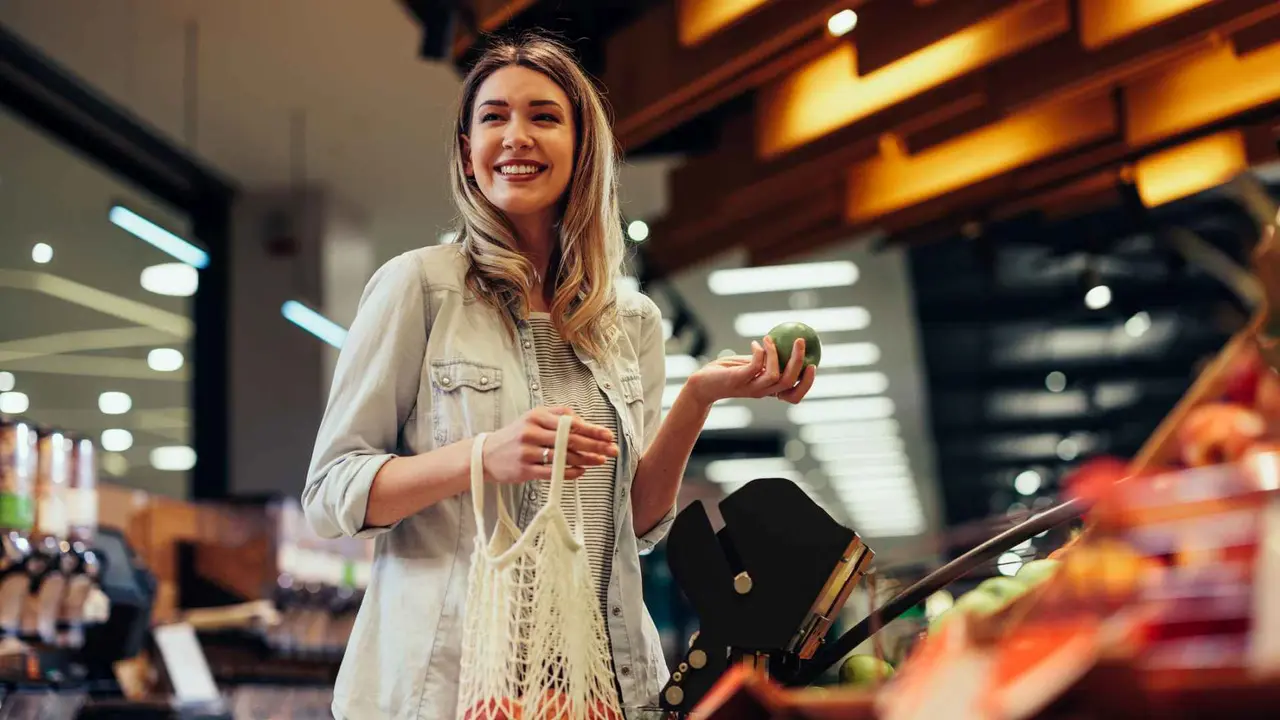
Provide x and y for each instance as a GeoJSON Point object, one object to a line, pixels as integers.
{"type": "Point", "coordinates": [517, 323]}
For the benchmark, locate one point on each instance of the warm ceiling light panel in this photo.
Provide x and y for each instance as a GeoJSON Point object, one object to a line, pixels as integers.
{"type": "Point", "coordinates": [828, 93]}
{"type": "Point", "coordinates": [885, 184]}
{"type": "Point", "coordinates": [1205, 88]}
{"type": "Point", "coordinates": [1105, 21]}
{"type": "Point", "coordinates": [696, 20]}
{"type": "Point", "coordinates": [1190, 168]}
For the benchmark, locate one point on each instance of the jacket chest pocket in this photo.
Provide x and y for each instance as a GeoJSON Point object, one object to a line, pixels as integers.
{"type": "Point", "coordinates": [633, 396]}
{"type": "Point", "coordinates": [466, 399]}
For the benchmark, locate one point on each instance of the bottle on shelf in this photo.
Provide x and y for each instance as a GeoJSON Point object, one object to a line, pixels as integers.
{"type": "Point", "coordinates": [51, 560]}
{"type": "Point", "coordinates": [18, 461]}
{"type": "Point", "coordinates": [84, 566]}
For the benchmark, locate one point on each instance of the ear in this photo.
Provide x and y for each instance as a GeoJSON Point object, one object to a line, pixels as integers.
{"type": "Point", "coordinates": [466, 156]}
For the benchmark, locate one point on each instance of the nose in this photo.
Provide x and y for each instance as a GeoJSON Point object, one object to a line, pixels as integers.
{"type": "Point", "coordinates": [517, 136]}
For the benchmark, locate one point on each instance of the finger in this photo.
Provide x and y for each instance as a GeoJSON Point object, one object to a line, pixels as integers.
{"type": "Point", "coordinates": [768, 377]}
{"type": "Point", "coordinates": [543, 472]}
{"type": "Point", "coordinates": [795, 364]}
{"type": "Point", "coordinates": [797, 393]}
{"type": "Point", "coordinates": [537, 439]}
{"type": "Point", "coordinates": [549, 416]}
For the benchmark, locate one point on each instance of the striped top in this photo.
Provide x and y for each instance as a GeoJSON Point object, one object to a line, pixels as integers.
{"type": "Point", "coordinates": [566, 382]}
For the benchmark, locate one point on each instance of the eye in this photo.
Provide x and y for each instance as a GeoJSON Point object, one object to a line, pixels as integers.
{"type": "Point", "coordinates": [490, 117]}
{"type": "Point", "coordinates": [546, 117]}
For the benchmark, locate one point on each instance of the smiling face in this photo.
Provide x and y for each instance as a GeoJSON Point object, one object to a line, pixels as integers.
{"type": "Point", "coordinates": [520, 145]}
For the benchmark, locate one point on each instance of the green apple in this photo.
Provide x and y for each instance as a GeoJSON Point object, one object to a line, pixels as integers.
{"type": "Point", "coordinates": [1036, 572]}
{"type": "Point", "coordinates": [784, 336]}
{"type": "Point", "coordinates": [1003, 587]}
{"type": "Point", "coordinates": [864, 670]}
{"type": "Point", "coordinates": [979, 603]}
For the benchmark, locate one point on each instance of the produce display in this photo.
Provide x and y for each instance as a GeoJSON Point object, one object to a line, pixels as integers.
{"type": "Point", "coordinates": [1166, 605]}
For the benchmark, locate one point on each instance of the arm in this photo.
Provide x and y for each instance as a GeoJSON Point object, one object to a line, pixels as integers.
{"type": "Point", "coordinates": [356, 485]}
{"type": "Point", "coordinates": [666, 449]}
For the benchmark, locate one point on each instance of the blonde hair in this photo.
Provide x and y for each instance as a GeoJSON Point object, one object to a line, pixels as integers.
{"type": "Point", "coordinates": [590, 249]}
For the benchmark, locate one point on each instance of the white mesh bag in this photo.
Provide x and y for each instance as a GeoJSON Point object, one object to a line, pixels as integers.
{"type": "Point", "coordinates": [534, 645]}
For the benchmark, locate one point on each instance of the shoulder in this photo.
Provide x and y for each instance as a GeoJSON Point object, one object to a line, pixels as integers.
{"type": "Point", "coordinates": [434, 267]}
{"type": "Point", "coordinates": [635, 304]}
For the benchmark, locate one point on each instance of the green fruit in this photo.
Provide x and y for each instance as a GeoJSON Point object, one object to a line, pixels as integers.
{"type": "Point", "coordinates": [864, 670]}
{"type": "Point", "coordinates": [979, 603]}
{"type": "Point", "coordinates": [1036, 572]}
{"type": "Point", "coordinates": [784, 336]}
{"type": "Point", "coordinates": [1004, 588]}
{"type": "Point", "coordinates": [939, 622]}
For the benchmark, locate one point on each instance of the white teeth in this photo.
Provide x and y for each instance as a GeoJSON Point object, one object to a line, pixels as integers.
{"type": "Point", "coordinates": [518, 169]}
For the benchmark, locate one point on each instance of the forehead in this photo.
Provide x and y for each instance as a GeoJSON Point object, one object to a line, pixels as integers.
{"type": "Point", "coordinates": [517, 85]}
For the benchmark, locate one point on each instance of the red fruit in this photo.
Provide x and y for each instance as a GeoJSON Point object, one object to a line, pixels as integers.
{"type": "Point", "coordinates": [1217, 433]}
{"type": "Point", "coordinates": [494, 709]}
{"type": "Point", "coordinates": [1095, 478]}
{"type": "Point", "coordinates": [1242, 379]}
{"type": "Point", "coordinates": [1267, 398]}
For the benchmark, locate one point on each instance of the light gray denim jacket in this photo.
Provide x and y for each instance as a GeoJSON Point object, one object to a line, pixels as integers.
{"type": "Point", "coordinates": [426, 364]}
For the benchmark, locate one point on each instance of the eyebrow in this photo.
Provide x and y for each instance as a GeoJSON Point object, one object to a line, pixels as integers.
{"type": "Point", "coordinates": [532, 103]}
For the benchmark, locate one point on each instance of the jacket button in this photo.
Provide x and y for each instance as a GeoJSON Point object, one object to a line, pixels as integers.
{"type": "Point", "coordinates": [534, 386]}
{"type": "Point", "coordinates": [608, 386]}
{"type": "Point", "coordinates": [617, 611]}
{"type": "Point", "coordinates": [626, 671]}
{"type": "Point", "coordinates": [527, 344]}
{"type": "Point", "coordinates": [484, 381]}
{"type": "Point", "coordinates": [445, 381]}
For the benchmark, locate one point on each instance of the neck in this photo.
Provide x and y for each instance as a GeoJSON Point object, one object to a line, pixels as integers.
{"type": "Point", "coordinates": [537, 240]}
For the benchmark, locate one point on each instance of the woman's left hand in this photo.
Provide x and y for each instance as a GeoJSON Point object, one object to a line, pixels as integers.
{"type": "Point", "coordinates": [754, 376]}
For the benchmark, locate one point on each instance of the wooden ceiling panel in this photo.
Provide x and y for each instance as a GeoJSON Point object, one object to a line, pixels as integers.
{"type": "Point", "coordinates": [656, 83]}
{"type": "Point", "coordinates": [889, 30]}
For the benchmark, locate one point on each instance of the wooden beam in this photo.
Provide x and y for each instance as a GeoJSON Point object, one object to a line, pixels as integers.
{"type": "Point", "coordinates": [490, 15]}
{"type": "Point", "coordinates": [656, 83]}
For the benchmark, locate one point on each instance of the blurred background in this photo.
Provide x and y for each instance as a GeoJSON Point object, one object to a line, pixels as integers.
{"type": "Point", "coordinates": [1008, 219]}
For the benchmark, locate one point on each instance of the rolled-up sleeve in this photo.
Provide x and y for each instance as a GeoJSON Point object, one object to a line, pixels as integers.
{"type": "Point", "coordinates": [653, 377]}
{"type": "Point", "coordinates": [375, 387]}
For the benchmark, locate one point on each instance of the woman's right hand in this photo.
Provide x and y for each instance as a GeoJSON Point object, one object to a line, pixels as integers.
{"type": "Point", "coordinates": [514, 454]}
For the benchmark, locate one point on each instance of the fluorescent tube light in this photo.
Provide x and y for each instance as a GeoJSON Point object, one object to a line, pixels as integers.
{"type": "Point", "coordinates": [840, 431]}
{"type": "Point", "coordinates": [161, 239]}
{"type": "Point", "coordinates": [821, 411]}
{"type": "Point", "coordinates": [775, 278]}
{"type": "Point", "coordinates": [314, 323]}
{"type": "Point", "coordinates": [833, 319]}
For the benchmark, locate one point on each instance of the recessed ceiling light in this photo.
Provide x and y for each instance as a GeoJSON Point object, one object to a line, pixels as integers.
{"type": "Point", "coordinates": [638, 230]}
{"type": "Point", "coordinates": [1098, 297]}
{"type": "Point", "coordinates": [839, 431]}
{"type": "Point", "coordinates": [116, 440]}
{"type": "Point", "coordinates": [165, 360]}
{"type": "Point", "coordinates": [744, 469]}
{"type": "Point", "coordinates": [728, 417]}
{"type": "Point", "coordinates": [1027, 482]}
{"type": "Point", "coordinates": [41, 253]}
{"type": "Point", "coordinates": [314, 323]}
{"type": "Point", "coordinates": [854, 354]}
{"type": "Point", "coordinates": [7, 381]}
{"type": "Point", "coordinates": [842, 22]}
{"type": "Point", "coordinates": [680, 366]}
{"type": "Point", "coordinates": [174, 458]}
{"type": "Point", "coordinates": [1009, 563]}
{"type": "Point", "coordinates": [172, 279]}
{"type": "Point", "coordinates": [1068, 449]}
{"type": "Point", "coordinates": [1138, 325]}
{"type": "Point", "coordinates": [834, 319]}
{"type": "Point", "coordinates": [161, 239]}
{"type": "Point", "coordinates": [14, 403]}
{"type": "Point", "coordinates": [775, 278]}
{"type": "Point", "coordinates": [821, 411]}
{"type": "Point", "coordinates": [114, 403]}
{"type": "Point", "coordinates": [1055, 381]}
{"type": "Point", "coordinates": [848, 384]}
